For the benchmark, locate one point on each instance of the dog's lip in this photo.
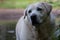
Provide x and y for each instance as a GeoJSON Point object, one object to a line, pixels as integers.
{"type": "Point", "coordinates": [35, 22]}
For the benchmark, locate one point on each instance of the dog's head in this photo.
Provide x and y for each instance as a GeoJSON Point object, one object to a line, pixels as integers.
{"type": "Point", "coordinates": [37, 12]}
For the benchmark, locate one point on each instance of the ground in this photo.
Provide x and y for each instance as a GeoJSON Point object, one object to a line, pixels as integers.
{"type": "Point", "coordinates": [12, 14]}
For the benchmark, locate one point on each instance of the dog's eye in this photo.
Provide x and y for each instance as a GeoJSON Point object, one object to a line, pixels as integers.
{"type": "Point", "coordinates": [39, 9]}
{"type": "Point", "coordinates": [29, 11]}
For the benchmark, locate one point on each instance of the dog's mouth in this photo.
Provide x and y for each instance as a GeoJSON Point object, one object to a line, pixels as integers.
{"type": "Point", "coordinates": [34, 21]}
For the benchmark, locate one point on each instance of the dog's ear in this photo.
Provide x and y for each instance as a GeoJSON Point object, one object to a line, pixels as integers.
{"type": "Point", "coordinates": [48, 7]}
{"type": "Point", "coordinates": [25, 13]}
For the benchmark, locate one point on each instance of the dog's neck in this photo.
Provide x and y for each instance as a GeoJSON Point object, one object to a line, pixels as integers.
{"type": "Point", "coordinates": [42, 30]}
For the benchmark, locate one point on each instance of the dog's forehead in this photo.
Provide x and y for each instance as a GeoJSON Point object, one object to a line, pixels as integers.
{"type": "Point", "coordinates": [34, 6]}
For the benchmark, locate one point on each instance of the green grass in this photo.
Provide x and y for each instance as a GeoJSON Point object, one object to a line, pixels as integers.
{"type": "Point", "coordinates": [25, 3]}
{"type": "Point", "coordinates": [9, 25]}
{"type": "Point", "coordinates": [7, 21]}
{"type": "Point", "coordinates": [7, 4]}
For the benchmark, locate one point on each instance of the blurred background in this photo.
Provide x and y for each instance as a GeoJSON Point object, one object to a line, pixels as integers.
{"type": "Point", "coordinates": [12, 10]}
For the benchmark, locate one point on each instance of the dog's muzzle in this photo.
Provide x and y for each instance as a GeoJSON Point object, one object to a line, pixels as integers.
{"type": "Point", "coordinates": [34, 19]}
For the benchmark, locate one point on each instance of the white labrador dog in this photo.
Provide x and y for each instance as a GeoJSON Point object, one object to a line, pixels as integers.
{"type": "Point", "coordinates": [36, 24]}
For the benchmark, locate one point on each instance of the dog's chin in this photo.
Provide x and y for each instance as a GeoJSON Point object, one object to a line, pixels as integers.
{"type": "Point", "coordinates": [35, 23]}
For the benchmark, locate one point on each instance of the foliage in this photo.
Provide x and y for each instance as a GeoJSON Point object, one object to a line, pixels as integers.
{"type": "Point", "coordinates": [24, 3]}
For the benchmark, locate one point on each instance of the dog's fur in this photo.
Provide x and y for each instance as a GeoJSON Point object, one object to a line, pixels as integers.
{"type": "Point", "coordinates": [39, 28]}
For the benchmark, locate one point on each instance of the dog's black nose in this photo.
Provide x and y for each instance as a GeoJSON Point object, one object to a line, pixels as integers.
{"type": "Point", "coordinates": [33, 17]}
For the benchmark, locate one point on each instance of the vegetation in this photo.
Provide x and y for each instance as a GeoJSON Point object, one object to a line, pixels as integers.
{"type": "Point", "coordinates": [24, 3]}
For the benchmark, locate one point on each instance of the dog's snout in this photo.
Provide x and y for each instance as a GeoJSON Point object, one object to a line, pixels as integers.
{"type": "Point", "coordinates": [33, 17]}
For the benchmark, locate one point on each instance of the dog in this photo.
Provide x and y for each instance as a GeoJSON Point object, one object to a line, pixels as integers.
{"type": "Point", "coordinates": [37, 23]}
